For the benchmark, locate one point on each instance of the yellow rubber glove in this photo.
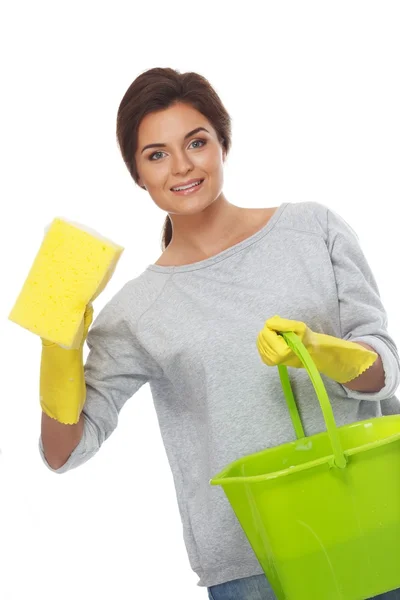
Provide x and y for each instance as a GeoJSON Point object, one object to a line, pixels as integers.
{"type": "Point", "coordinates": [62, 379]}
{"type": "Point", "coordinates": [340, 360]}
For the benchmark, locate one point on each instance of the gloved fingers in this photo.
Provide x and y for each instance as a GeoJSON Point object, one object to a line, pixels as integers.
{"type": "Point", "coordinates": [272, 347]}
{"type": "Point", "coordinates": [88, 318]}
{"type": "Point", "coordinates": [276, 323]}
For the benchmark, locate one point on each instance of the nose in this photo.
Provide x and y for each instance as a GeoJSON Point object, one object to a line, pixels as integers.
{"type": "Point", "coordinates": [181, 164]}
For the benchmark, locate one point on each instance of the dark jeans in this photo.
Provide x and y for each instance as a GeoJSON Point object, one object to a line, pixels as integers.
{"type": "Point", "coordinates": [258, 588]}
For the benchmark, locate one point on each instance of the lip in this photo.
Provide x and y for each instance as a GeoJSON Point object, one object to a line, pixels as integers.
{"type": "Point", "coordinates": [190, 191]}
{"type": "Point", "coordinates": [182, 183]}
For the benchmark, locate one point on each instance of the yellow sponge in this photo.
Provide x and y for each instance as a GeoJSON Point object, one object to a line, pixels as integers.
{"type": "Point", "coordinates": [72, 267]}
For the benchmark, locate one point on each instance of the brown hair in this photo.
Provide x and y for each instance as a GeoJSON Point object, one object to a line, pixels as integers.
{"type": "Point", "coordinates": [158, 89]}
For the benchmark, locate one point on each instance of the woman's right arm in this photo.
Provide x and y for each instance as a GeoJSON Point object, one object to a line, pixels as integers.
{"type": "Point", "coordinates": [116, 367]}
{"type": "Point", "coordinates": [59, 440]}
{"type": "Point", "coordinates": [62, 397]}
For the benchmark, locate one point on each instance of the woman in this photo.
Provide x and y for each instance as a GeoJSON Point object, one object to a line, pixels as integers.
{"type": "Point", "coordinates": [188, 324]}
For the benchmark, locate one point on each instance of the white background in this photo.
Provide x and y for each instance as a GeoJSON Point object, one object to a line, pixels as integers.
{"type": "Point", "coordinates": [313, 89]}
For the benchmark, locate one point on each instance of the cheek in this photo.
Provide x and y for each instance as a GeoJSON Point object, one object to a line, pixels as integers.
{"type": "Point", "coordinates": [211, 162]}
{"type": "Point", "coordinates": [154, 175]}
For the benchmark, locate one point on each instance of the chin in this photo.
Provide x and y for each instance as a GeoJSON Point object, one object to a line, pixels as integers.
{"type": "Point", "coordinates": [191, 206]}
{"type": "Point", "coordinates": [187, 205]}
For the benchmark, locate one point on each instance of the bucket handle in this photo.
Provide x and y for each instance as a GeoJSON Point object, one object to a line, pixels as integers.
{"type": "Point", "coordinates": [297, 346]}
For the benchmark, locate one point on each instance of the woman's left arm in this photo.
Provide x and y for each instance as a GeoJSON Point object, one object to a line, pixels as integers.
{"type": "Point", "coordinates": [363, 319]}
{"type": "Point", "coordinates": [372, 380]}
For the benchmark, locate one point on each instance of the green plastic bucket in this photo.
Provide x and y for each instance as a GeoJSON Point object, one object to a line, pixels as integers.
{"type": "Point", "coordinates": [322, 513]}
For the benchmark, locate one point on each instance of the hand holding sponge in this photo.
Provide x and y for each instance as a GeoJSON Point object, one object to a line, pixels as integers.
{"type": "Point", "coordinates": [62, 378]}
{"type": "Point", "coordinates": [71, 269]}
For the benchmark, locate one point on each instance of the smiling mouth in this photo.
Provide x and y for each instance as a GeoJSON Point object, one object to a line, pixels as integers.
{"type": "Point", "coordinates": [188, 189]}
{"type": "Point", "coordinates": [181, 188]}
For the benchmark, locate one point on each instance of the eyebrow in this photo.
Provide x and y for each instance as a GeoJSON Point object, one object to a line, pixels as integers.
{"type": "Point", "coordinates": [188, 135]}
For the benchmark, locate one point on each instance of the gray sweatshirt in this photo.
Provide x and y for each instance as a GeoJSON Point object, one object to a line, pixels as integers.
{"type": "Point", "coordinates": [190, 332]}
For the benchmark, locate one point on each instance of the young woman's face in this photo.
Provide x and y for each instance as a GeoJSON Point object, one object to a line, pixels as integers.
{"type": "Point", "coordinates": [181, 158]}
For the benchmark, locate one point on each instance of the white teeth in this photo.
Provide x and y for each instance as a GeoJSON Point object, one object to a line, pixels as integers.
{"type": "Point", "coordinates": [186, 187]}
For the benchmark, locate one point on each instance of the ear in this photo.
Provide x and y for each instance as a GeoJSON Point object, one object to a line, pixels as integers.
{"type": "Point", "coordinates": [140, 183]}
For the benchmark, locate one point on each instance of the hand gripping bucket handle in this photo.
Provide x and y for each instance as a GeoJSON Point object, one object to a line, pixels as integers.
{"type": "Point", "coordinates": [296, 345]}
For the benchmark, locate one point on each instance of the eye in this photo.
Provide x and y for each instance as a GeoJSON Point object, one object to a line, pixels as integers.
{"type": "Point", "coordinates": [202, 142]}
{"type": "Point", "coordinates": [153, 157]}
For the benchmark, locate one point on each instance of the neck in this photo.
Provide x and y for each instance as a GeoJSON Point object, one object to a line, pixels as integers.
{"type": "Point", "coordinates": [204, 232]}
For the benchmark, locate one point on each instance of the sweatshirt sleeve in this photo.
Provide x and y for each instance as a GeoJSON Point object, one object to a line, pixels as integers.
{"type": "Point", "coordinates": [362, 315]}
{"type": "Point", "coordinates": [116, 368]}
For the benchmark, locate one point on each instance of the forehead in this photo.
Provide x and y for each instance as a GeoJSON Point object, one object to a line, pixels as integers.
{"type": "Point", "coordinates": [170, 123]}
